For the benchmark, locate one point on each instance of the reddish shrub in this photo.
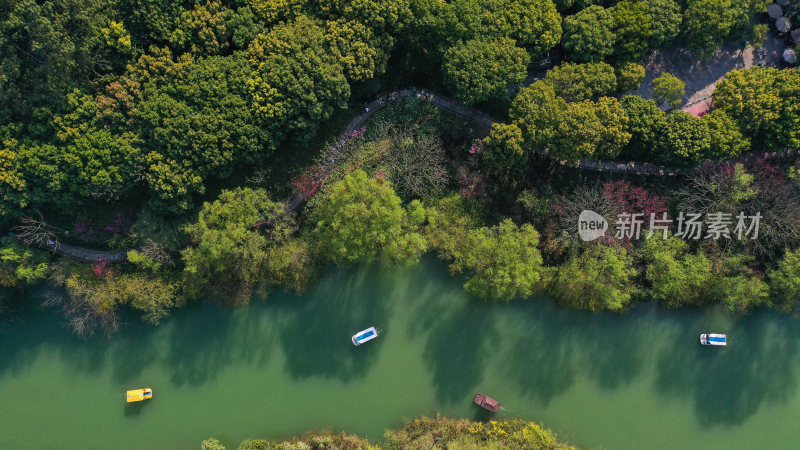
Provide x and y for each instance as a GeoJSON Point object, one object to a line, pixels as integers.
{"type": "Point", "coordinates": [308, 182]}
{"type": "Point", "coordinates": [634, 199]}
{"type": "Point", "coordinates": [101, 269]}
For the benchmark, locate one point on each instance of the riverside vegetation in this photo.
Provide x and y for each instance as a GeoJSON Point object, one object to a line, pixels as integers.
{"type": "Point", "coordinates": [176, 128]}
{"type": "Point", "coordinates": [424, 433]}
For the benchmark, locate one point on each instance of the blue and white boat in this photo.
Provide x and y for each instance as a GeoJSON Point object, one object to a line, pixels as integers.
{"type": "Point", "coordinates": [364, 336]}
{"type": "Point", "coordinates": [713, 339]}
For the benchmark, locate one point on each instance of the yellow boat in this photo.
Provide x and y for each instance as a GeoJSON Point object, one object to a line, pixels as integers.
{"type": "Point", "coordinates": [138, 395]}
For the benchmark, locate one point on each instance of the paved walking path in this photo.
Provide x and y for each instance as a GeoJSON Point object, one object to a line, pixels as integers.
{"type": "Point", "coordinates": [483, 124]}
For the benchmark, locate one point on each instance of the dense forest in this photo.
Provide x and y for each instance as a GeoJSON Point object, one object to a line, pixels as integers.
{"type": "Point", "coordinates": [424, 433]}
{"type": "Point", "coordinates": [175, 130]}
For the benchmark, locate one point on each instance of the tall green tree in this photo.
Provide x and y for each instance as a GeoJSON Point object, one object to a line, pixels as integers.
{"type": "Point", "coordinates": [727, 141]}
{"type": "Point", "coordinates": [533, 24]}
{"type": "Point", "coordinates": [629, 76]}
{"type": "Point", "coordinates": [667, 18]}
{"type": "Point", "coordinates": [361, 219]}
{"type": "Point", "coordinates": [677, 277]}
{"type": "Point", "coordinates": [537, 111]}
{"type": "Point", "coordinates": [355, 45]}
{"type": "Point", "coordinates": [600, 278]}
{"type": "Point", "coordinates": [591, 130]}
{"type": "Point", "coordinates": [762, 102]}
{"type": "Point", "coordinates": [21, 266]}
{"type": "Point", "coordinates": [479, 69]}
{"type": "Point", "coordinates": [739, 287]}
{"type": "Point", "coordinates": [504, 154]}
{"type": "Point", "coordinates": [49, 49]}
{"type": "Point", "coordinates": [785, 281]}
{"type": "Point", "coordinates": [232, 239]}
{"type": "Point", "coordinates": [707, 23]}
{"type": "Point", "coordinates": [203, 30]}
{"type": "Point", "coordinates": [633, 29]}
{"type": "Point", "coordinates": [687, 138]}
{"type": "Point", "coordinates": [669, 89]}
{"type": "Point", "coordinates": [296, 83]}
{"type": "Point", "coordinates": [589, 34]}
{"type": "Point", "coordinates": [503, 261]}
{"type": "Point", "coordinates": [647, 124]}
{"type": "Point", "coordinates": [587, 81]}
{"type": "Point", "coordinates": [196, 125]}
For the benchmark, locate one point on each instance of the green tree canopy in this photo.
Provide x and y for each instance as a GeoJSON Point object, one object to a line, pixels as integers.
{"type": "Point", "coordinates": [687, 138]}
{"type": "Point", "coordinates": [633, 29]}
{"type": "Point", "coordinates": [479, 69]}
{"type": "Point", "coordinates": [533, 24]}
{"type": "Point", "coordinates": [587, 81]}
{"type": "Point", "coordinates": [50, 48]}
{"type": "Point", "coordinates": [537, 110]}
{"type": "Point", "coordinates": [677, 276]}
{"type": "Point", "coordinates": [739, 287]}
{"type": "Point", "coordinates": [785, 281]}
{"type": "Point", "coordinates": [296, 83]}
{"type": "Point", "coordinates": [357, 48]}
{"type": "Point", "coordinates": [203, 30]}
{"type": "Point", "coordinates": [669, 89]}
{"type": "Point", "coordinates": [450, 222]}
{"type": "Point", "coordinates": [707, 23]}
{"type": "Point", "coordinates": [232, 238]}
{"type": "Point", "coordinates": [647, 124]}
{"type": "Point", "coordinates": [591, 130]}
{"type": "Point", "coordinates": [503, 261]}
{"type": "Point", "coordinates": [197, 125]}
{"type": "Point", "coordinates": [20, 266]}
{"type": "Point", "coordinates": [362, 219]}
{"type": "Point", "coordinates": [629, 76]}
{"type": "Point", "coordinates": [504, 154]}
{"type": "Point", "coordinates": [666, 19]}
{"type": "Point", "coordinates": [727, 141]}
{"type": "Point", "coordinates": [762, 102]}
{"type": "Point", "coordinates": [589, 34]}
{"type": "Point", "coordinates": [600, 278]}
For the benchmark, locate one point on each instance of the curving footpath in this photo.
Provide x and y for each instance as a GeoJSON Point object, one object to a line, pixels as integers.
{"type": "Point", "coordinates": [481, 121]}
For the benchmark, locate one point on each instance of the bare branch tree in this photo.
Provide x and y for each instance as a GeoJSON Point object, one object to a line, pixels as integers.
{"type": "Point", "coordinates": [158, 253]}
{"type": "Point", "coordinates": [83, 317]}
{"type": "Point", "coordinates": [34, 231]}
{"type": "Point", "coordinates": [415, 164]}
{"type": "Point", "coordinates": [586, 197]}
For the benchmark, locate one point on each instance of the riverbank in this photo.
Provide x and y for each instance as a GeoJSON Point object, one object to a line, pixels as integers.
{"type": "Point", "coordinates": [429, 433]}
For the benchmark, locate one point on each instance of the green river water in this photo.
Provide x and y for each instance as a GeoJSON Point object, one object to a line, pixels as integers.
{"type": "Point", "coordinates": [286, 365]}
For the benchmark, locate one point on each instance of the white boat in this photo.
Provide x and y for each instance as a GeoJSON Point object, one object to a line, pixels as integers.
{"type": "Point", "coordinates": [364, 336]}
{"type": "Point", "coordinates": [713, 339]}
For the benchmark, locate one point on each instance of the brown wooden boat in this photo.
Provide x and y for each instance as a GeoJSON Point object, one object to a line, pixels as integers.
{"type": "Point", "coordinates": [487, 403]}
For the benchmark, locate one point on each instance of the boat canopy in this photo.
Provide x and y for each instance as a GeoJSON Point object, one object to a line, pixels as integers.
{"type": "Point", "coordinates": [364, 336]}
{"type": "Point", "coordinates": [713, 339]}
{"type": "Point", "coordinates": [138, 395]}
{"type": "Point", "coordinates": [486, 402]}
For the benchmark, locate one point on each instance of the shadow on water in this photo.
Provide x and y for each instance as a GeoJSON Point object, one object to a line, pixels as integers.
{"type": "Point", "coordinates": [134, 409]}
{"type": "Point", "coordinates": [456, 351]}
{"type": "Point", "coordinates": [541, 357]}
{"type": "Point", "coordinates": [317, 331]}
{"type": "Point", "coordinates": [459, 332]}
{"type": "Point", "coordinates": [34, 331]}
{"type": "Point", "coordinates": [730, 384]}
{"type": "Point", "coordinates": [482, 415]}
